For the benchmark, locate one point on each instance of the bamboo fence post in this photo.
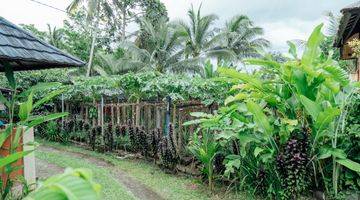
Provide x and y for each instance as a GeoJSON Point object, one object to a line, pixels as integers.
{"type": "Point", "coordinates": [123, 113]}
{"type": "Point", "coordinates": [102, 119]}
{"type": "Point", "coordinates": [137, 112]}
{"type": "Point", "coordinates": [148, 117]}
{"type": "Point", "coordinates": [112, 114]}
{"type": "Point", "coordinates": [117, 114]}
{"type": "Point", "coordinates": [86, 113]}
{"type": "Point", "coordinates": [158, 117]}
{"type": "Point", "coordinates": [167, 115]}
{"type": "Point", "coordinates": [62, 110]}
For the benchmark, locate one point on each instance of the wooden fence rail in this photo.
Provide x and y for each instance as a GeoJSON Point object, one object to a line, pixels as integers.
{"type": "Point", "coordinates": [149, 115]}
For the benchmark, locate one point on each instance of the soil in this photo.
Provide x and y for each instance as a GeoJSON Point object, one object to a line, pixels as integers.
{"type": "Point", "coordinates": [137, 188]}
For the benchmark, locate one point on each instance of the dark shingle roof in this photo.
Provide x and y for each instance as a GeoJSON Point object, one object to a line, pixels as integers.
{"type": "Point", "coordinates": [23, 51]}
{"type": "Point", "coordinates": [352, 6]}
{"type": "Point", "coordinates": [348, 23]}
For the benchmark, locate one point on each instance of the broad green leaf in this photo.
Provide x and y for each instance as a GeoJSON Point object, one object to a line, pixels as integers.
{"type": "Point", "coordinates": [12, 158]}
{"type": "Point", "coordinates": [47, 98]}
{"type": "Point", "coordinates": [238, 97]}
{"type": "Point", "coordinates": [9, 73]}
{"type": "Point", "coordinates": [192, 122]}
{"type": "Point", "coordinates": [41, 119]}
{"type": "Point", "coordinates": [26, 108]}
{"type": "Point", "coordinates": [292, 49]}
{"type": "Point", "coordinates": [4, 134]}
{"type": "Point", "coordinates": [72, 184]}
{"type": "Point", "coordinates": [311, 107]}
{"type": "Point", "coordinates": [244, 140]}
{"type": "Point", "coordinates": [246, 78]}
{"type": "Point", "coordinates": [263, 63]}
{"type": "Point", "coordinates": [200, 114]}
{"type": "Point", "coordinates": [257, 151]}
{"type": "Point", "coordinates": [349, 164]}
{"type": "Point", "coordinates": [312, 49]}
{"type": "Point", "coordinates": [260, 118]}
{"type": "Point", "coordinates": [326, 117]}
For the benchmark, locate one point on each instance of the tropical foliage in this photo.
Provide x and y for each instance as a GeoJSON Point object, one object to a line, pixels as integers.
{"type": "Point", "coordinates": [282, 129]}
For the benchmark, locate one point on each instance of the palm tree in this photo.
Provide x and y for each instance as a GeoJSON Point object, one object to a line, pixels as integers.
{"type": "Point", "coordinates": [108, 64]}
{"type": "Point", "coordinates": [54, 36]}
{"type": "Point", "coordinates": [199, 36]}
{"type": "Point", "coordinates": [93, 8]}
{"type": "Point", "coordinates": [163, 52]}
{"type": "Point", "coordinates": [242, 38]}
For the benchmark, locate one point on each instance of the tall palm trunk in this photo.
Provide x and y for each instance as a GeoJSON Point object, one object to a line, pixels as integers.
{"type": "Point", "coordinates": [95, 30]}
{"type": "Point", "coordinates": [92, 50]}
{"type": "Point", "coordinates": [123, 25]}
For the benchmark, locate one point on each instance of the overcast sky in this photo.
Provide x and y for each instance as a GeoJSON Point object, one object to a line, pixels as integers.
{"type": "Point", "coordinates": [282, 20]}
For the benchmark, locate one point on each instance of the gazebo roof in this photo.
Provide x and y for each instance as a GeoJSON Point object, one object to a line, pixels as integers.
{"type": "Point", "coordinates": [23, 51]}
{"type": "Point", "coordinates": [349, 23]}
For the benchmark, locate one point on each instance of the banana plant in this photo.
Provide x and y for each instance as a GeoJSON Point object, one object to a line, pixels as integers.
{"type": "Point", "coordinates": [20, 107]}
{"type": "Point", "coordinates": [310, 91]}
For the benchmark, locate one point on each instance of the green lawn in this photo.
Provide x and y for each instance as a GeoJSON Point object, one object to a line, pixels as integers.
{"type": "Point", "coordinates": [167, 185]}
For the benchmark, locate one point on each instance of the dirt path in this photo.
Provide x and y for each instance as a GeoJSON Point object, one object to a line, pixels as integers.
{"type": "Point", "coordinates": [138, 189]}
{"type": "Point", "coordinates": [45, 170]}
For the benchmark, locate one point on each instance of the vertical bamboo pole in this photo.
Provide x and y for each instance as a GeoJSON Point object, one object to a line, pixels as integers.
{"type": "Point", "coordinates": [123, 113]}
{"type": "Point", "coordinates": [117, 114]}
{"type": "Point", "coordinates": [102, 119]}
{"type": "Point", "coordinates": [137, 112]}
{"type": "Point", "coordinates": [112, 114]}
{"type": "Point", "coordinates": [158, 117]}
{"type": "Point", "coordinates": [62, 110]}
{"type": "Point", "coordinates": [87, 114]}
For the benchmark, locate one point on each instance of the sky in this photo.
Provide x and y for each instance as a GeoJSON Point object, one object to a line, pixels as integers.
{"type": "Point", "coordinates": [282, 20]}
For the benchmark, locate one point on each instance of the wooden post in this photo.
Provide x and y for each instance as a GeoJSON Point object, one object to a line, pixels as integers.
{"type": "Point", "coordinates": [102, 119]}
{"type": "Point", "coordinates": [148, 117]}
{"type": "Point", "coordinates": [158, 117]}
{"type": "Point", "coordinates": [123, 113]}
{"type": "Point", "coordinates": [137, 113]}
{"type": "Point", "coordinates": [167, 115]}
{"type": "Point", "coordinates": [117, 114]}
{"type": "Point", "coordinates": [87, 114]}
{"type": "Point", "coordinates": [62, 110]}
{"type": "Point", "coordinates": [112, 114]}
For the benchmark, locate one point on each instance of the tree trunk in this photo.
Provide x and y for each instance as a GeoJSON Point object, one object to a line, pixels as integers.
{"type": "Point", "coordinates": [123, 25]}
{"type": "Point", "coordinates": [95, 30]}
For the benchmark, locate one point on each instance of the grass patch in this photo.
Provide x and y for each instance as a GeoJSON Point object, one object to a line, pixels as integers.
{"type": "Point", "coordinates": [111, 189]}
{"type": "Point", "coordinates": [169, 186]}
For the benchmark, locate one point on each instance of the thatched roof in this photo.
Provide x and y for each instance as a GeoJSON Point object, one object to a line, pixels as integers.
{"type": "Point", "coordinates": [23, 51]}
{"type": "Point", "coordinates": [349, 24]}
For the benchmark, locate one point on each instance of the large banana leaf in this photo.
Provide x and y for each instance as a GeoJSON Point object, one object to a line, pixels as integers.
{"type": "Point", "coordinates": [260, 118]}
{"type": "Point", "coordinates": [73, 185]}
{"type": "Point", "coordinates": [312, 50]}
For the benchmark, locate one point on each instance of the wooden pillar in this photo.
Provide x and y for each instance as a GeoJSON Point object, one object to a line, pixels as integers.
{"type": "Point", "coordinates": [123, 113]}
{"type": "Point", "coordinates": [86, 113]}
{"type": "Point", "coordinates": [137, 113]}
{"type": "Point", "coordinates": [158, 116]}
{"type": "Point", "coordinates": [112, 114]}
{"type": "Point", "coordinates": [117, 114]}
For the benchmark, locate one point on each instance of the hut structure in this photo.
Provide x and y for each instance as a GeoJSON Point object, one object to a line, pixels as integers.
{"type": "Point", "coordinates": [349, 29]}
{"type": "Point", "coordinates": [19, 51]}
